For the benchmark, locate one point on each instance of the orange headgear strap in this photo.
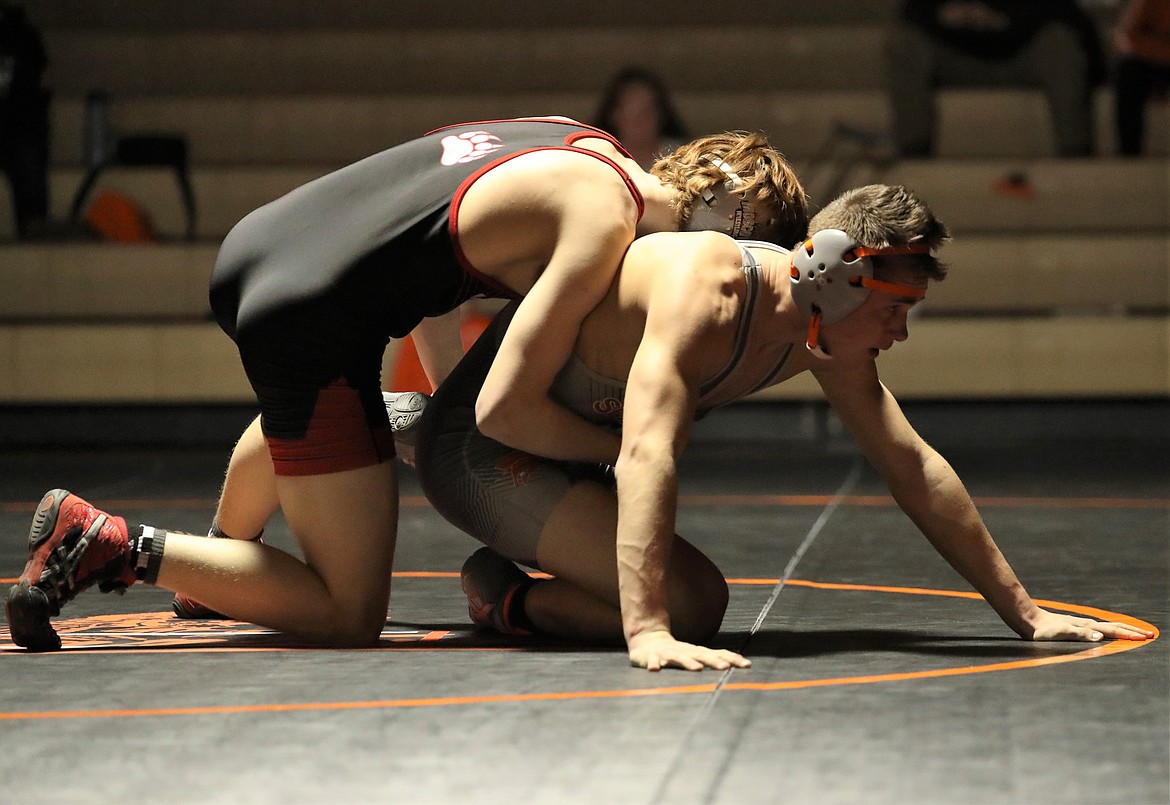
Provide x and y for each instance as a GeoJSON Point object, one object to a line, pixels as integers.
{"type": "Point", "coordinates": [909, 248]}
{"type": "Point", "coordinates": [891, 288]}
{"type": "Point", "coordinates": [814, 334]}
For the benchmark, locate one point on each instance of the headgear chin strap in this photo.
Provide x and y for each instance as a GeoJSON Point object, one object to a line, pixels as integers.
{"type": "Point", "coordinates": [720, 209]}
{"type": "Point", "coordinates": [832, 276]}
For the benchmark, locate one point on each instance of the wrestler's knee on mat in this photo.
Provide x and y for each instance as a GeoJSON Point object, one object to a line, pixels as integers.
{"type": "Point", "coordinates": [348, 631]}
{"type": "Point", "coordinates": [698, 608]}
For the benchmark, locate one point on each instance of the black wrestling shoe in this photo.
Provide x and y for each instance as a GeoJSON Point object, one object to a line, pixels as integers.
{"type": "Point", "coordinates": [490, 581]}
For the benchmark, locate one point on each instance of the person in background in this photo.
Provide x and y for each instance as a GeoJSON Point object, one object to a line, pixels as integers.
{"type": "Point", "coordinates": [24, 118]}
{"type": "Point", "coordinates": [1050, 44]}
{"type": "Point", "coordinates": [1142, 44]}
{"type": "Point", "coordinates": [637, 109]}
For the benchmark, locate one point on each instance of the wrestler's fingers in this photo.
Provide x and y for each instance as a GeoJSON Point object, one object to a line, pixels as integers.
{"type": "Point", "coordinates": [686, 661]}
{"type": "Point", "coordinates": [733, 659]}
{"type": "Point", "coordinates": [1122, 631]}
{"type": "Point", "coordinates": [718, 659]}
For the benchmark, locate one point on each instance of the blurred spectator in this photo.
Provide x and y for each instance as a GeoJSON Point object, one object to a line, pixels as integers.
{"type": "Point", "coordinates": [1142, 44]}
{"type": "Point", "coordinates": [637, 109]}
{"type": "Point", "coordinates": [1050, 44]}
{"type": "Point", "coordinates": [24, 118]}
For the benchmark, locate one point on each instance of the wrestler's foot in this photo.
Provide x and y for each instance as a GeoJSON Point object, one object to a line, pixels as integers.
{"type": "Point", "coordinates": [405, 409]}
{"type": "Point", "coordinates": [71, 546]}
{"type": "Point", "coordinates": [186, 607]}
{"type": "Point", "coordinates": [490, 582]}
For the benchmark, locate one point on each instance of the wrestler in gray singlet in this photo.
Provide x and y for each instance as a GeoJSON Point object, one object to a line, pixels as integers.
{"type": "Point", "coordinates": [503, 496]}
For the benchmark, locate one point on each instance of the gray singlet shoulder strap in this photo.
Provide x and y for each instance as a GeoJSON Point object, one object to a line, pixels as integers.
{"type": "Point", "coordinates": [751, 270]}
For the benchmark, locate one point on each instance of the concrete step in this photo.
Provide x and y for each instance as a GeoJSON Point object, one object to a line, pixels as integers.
{"type": "Point", "coordinates": [105, 283]}
{"type": "Point", "coordinates": [266, 15]}
{"type": "Point", "coordinates": [1088, 196]}
{"type": "Point", "coordinates": [395, 60]}
{"type": "Point", "coordinates": [1025, 274]}
{"type": "Point", "coordinates": [142, 363]}
{"type": "Point", "coordinates": [340, 128]}
{"type": "Point", "coordinates": [1010, 358]}
{"type": "Point", "coordinates": [1020, 358]}
{"type": "Point", "coordinates": [1053, 274]}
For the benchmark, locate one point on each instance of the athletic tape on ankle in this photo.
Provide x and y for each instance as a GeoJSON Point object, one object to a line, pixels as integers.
{"type": "Point", "coordinates": [515, 613]}
{"type": "Point", "coordinates": [150, 554]}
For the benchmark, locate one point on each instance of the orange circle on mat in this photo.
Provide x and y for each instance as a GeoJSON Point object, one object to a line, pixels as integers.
{"type": "Point", "coordinates": [160, 630]}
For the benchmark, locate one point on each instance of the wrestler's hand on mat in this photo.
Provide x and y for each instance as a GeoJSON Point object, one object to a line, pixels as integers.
{"type": "Point", "coordinates": [1055, 626]}
{"type": "Point", "coordinates": [657, 650]}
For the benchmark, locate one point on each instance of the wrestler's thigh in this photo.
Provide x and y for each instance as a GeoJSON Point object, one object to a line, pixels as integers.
{"type": "Point", "coordinates": [346, 524]}
{"type": "Point", "coordinates": [579, 544]}
{"type": "Point", "coordinates": [500, 496]}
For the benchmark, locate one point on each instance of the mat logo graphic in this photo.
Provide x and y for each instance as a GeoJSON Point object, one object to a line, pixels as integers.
{"type": "Point", "coordinates": [468, 147]}
{"type": "Point", "coordinates": [162, 630]}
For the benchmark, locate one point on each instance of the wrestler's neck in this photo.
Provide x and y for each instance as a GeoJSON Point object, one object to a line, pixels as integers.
{"type": "Point", "coordinates": [659, 215]}
{"type": "Point", "coordinates": [784, 317]}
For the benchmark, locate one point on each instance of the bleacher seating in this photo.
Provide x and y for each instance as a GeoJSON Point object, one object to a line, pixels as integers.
{"type": "Point", "coordinates": [335, 129]}
{"type": "Point", "coordinates": [1062, 294]}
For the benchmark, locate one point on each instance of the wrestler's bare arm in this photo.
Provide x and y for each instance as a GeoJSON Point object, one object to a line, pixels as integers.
{"type": "Point", "coordinates": [932, 495]}
{"type": "Point", "coordinates": [688, 334]}
{"type": "Point", "coordinates": [595, 225]}
{"type": "Point", "coordinates": [439, 345]}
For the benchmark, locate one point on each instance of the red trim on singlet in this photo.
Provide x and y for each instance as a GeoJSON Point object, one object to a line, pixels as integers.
{"type": "Point", "coordinates": [633, 188]}
{"type": "Point", "coordinates": [598, 134]}
{"type": "Point", "coordinates": [338, 438]}
{"type": "Point", "coordinates": [457, 199]}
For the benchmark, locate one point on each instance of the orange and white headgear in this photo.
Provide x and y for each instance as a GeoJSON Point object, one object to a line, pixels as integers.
{"type": "Point", "coordinates": [832, 275]}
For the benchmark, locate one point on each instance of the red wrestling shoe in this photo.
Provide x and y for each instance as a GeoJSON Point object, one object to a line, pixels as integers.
{"type": "Point", "coordinates": [490, 581]}
{"type": "Point", "coordinates": [184, 606]}
{"type": "Point", "coordinates": [71, 546]}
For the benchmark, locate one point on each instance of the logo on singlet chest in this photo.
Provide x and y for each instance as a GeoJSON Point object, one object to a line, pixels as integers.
{"type": "Point", "coordinates": [609, 406]}
{"type": "Point", "coordinates": [468, 147]}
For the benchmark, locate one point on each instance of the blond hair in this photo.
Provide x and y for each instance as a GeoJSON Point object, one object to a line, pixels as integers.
{"type": "Point", "coordinates": [769, 180]}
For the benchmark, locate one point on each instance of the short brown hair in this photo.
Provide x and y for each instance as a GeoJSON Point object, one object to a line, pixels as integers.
{"type": "Point", "coordinates": [880, 215]}
{"type": "Point", "coordinates": [768, 179]}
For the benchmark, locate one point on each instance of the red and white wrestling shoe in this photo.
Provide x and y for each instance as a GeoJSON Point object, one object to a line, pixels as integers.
{"type": "Point", "coordinates": [71, 545]}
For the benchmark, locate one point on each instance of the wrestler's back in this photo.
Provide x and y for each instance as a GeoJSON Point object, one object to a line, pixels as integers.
{"type": "Point", "coordinates": [610, 338]}
{"type": "Point", "coordinates": [392, 213]}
